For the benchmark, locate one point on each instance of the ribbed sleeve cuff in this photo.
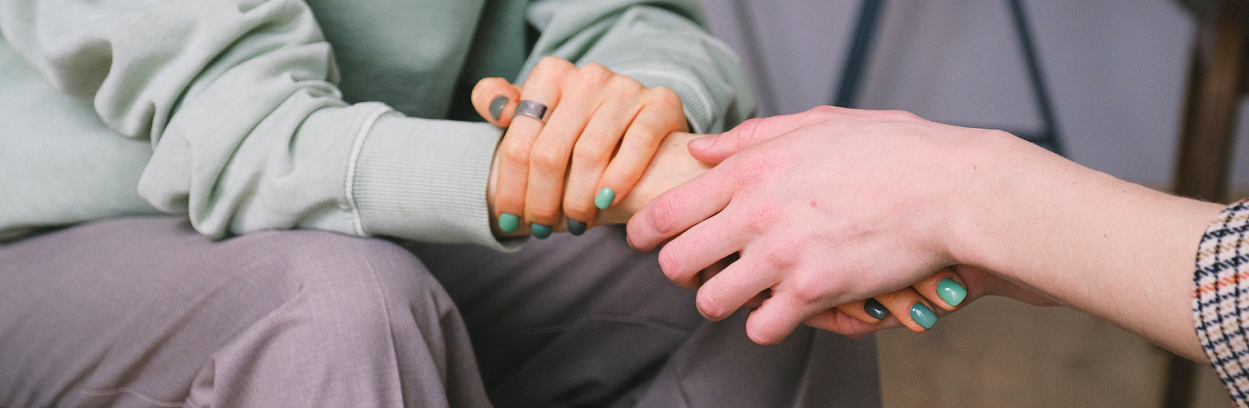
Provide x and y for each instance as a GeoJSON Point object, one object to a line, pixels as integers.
{"type": "Point", "coordinates": [425, 180]}
{"type": "Point", "coordinates": [1220, 306]}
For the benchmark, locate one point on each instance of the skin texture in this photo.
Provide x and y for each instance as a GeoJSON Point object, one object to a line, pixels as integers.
{"type": "Point", "coordinates": [833, 206]}
{"type": "Point", "coordinates": [601, 130]}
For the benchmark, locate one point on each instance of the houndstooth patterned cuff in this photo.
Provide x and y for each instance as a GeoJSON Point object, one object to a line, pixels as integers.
{"type": "Point", "coordinates": [1221, 298]}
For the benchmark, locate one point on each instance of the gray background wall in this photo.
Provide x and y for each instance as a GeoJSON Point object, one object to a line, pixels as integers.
{"type": "Point", "coordinates": [1116, 69]}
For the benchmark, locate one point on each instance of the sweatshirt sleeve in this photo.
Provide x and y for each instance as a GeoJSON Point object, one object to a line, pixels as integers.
{"type": "Point", "coordinates": [248, 130]}
{"type": "Point", "coordinates": [660, 43]}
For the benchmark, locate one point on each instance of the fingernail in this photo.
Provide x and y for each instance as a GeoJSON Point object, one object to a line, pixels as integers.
{"type": "Point", "coordinates": [576, 227]}
{"type": "Point", "coordinates": [508, 222]}
{"type": "Point", "coordinates": [875, 309]}
{"type": "Point", "coordinates": [923, 315]}
{"type": "Point", "coordinates": [496, 106]}
{"type": "Point", "coordinates": [951, 292]}
{"type": "Point", "coordinates": [702, 142]}
{"type": "Point", "coordinates": [540, 231]}
{"type": "Point", "coordinates": [604, 198]}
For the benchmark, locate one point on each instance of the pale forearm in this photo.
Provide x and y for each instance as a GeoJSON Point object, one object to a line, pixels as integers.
{"type": "Point", "coordinates": [1117, 250]}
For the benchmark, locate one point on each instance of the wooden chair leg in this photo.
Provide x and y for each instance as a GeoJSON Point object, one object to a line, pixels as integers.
{"type": "Point", "coordinates": [1210, 117]}
{"type": "Point", "coordinates": [1214, 90]}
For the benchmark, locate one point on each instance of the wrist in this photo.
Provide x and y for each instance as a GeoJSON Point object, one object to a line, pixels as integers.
{"type": "Point", "coordinates": [1104, 246]}
{"type": "Point", "coordinates": [999, 182]}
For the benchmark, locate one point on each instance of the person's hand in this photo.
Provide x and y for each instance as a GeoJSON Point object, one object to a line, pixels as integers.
{"type": "Point", "coordinates": [916, 307]}
{"type": "Point", "coordinates": [586, 153]}
{"type": "Point", "coordinates": [671, 166]}
{"type": "Point", "coordinates": [949, 290]}
{"type": "Point", "coordinates": [822, 216]}
{"type": "Point", "coordinates": [837, 205]}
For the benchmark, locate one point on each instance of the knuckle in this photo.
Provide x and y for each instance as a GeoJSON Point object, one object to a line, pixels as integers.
{"type": "Point", "coordinates": [898, 115]}
{"type": "Point", "coordinates": [597, 70]}
{"type": "Point", "coordinates": [750, 128]}
{"type": "Point", "coordinates": [648, 136]}
{"type": "Point", "coordinates": [548, 160]}
{"type": "Point", "coordinates": [591, 155]}
{"type": "Point", "coordinates": [663, 217]}
{"type": "Point", "coordinates": [578, 209]}
{"type": "Point", "coordinates": [669, 262]}
{"type": "Point", "coordinates": [663, 96]}
{"type": "Point", "coordinates": [827, 109]}
{"type": "Point", "coordinates": [549, 62]}
{"type": "Point", "coordinates": [781, 253]}
{"type": "Point", "coordinates": [749, 170]}
{"type": "Point", "coordinates": [549, 68]}
{"type": "Point", "coordinates": [629, 168]}
{"type": "Point", "coordinates": [515, 153]}
{"type": "Point", "coordinates": [591, 76]}
{"type": "Point", "coordinates": [708, 305]}
{"type": "Point", "coordinates": [753, 131]}
{"type": "Point", "coordinates": [762, 338]}
{"type": "Point", "coordinates": [808, 294]}
{"type": "Point", "coordinates": [622, 86]}
{"type": "Point", "coordinates": [544, 213]}
{"type": "Point", "coordinates": [509, 200]}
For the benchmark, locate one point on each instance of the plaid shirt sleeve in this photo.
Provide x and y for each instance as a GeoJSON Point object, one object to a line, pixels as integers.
{"type": "Point", "coordinates": [1221, 298]}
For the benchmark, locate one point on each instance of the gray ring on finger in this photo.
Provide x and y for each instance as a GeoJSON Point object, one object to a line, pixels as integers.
{"type": "Point", "coordinates": [531, 109]}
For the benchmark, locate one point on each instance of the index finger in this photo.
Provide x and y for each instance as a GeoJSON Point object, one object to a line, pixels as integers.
{"type": "Point", "coordinates": [680, 208]}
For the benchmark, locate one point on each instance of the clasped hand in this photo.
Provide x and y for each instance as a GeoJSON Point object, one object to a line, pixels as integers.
{"type": "Point", "coordinates": [585, 155]}
{"type": "Point", "coordinates": [819, 211]}
{"type": "Point", "coordinates": [806, 218]}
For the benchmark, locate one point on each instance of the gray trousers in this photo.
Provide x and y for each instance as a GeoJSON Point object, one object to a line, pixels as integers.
{"type": "Point", "coordinates": [144, 312]}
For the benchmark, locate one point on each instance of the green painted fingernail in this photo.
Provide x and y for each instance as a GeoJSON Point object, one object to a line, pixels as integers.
{"type": "Point", "coordinates": [875, 309]}
{"type": "Point", "coordinates": [540, 231]}
{"type": "Point", "coordinates": [496, 106]}
{"type": "Point", "coordinates": [951, 292]}
{"type": "Point", "coordinates": [576, 227]}
{"type": "Point", "coordinates": [923, 315]}
{"type": "Point", "coordinates": [508, 222]}
{"type": "Point", "coordinates": [605, 197]}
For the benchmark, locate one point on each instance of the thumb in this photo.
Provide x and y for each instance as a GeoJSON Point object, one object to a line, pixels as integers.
{"type": "Point", "coordinates": [713, 149]}
{"type": "Point", "coordinates": [495, 100]}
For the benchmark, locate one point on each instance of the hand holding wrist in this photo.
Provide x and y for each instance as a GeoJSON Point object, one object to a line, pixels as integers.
{"type": "Point", "coordinates": [671, 166]}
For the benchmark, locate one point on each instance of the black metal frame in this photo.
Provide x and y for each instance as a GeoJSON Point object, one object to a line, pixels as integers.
{"type": "Point", "coordinates": [860, 47]}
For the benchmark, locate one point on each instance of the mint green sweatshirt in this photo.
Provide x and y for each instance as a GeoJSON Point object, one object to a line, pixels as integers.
{"type": "Point", "coordinates": [345, 116]}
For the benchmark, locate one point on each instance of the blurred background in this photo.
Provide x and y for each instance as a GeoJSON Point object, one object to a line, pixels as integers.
{"type": "Point", "coordinates": [1115, 73]}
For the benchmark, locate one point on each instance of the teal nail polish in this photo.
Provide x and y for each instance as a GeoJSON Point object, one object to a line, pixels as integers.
{"type": "Point", "coordinates": [540, 231]}
{"type": "Point", "coordinates": [576, 227]}
{"type": "Point", "coordinates": [508, 222]}
{"type": "Point", "coordinates": [496, 106]}
{"type": "Point", "coordinates": [951, 292]}
{"type": "Point", "coordinates": [923, 315]}
{"type": "Point", "coordinates": [604, 198]}
{"type": "Point", "coordinates": [875, 309]}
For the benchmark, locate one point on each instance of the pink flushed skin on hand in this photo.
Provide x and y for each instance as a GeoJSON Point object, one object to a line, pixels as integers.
{"type": "Point", "coordinates": [790, 194]}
